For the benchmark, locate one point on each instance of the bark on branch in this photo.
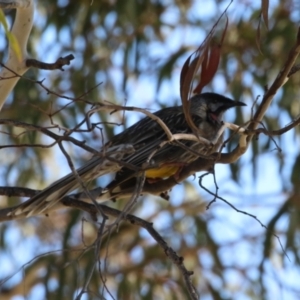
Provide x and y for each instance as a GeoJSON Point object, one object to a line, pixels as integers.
{"type": "Point", "coordinates": [16, 66]}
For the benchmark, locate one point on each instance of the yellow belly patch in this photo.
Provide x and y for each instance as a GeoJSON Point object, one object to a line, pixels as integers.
{"type": "Point", "coordinates": [162, 172]}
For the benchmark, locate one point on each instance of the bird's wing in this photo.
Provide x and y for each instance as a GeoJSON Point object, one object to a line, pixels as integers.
{"type": "Point", "coordinates": [147, 136]}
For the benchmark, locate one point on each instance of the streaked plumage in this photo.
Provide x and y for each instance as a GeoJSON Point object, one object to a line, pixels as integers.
{"type": "Point", "coordinates": [146, 137]}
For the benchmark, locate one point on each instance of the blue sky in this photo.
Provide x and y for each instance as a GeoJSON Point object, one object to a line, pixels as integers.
{"type": "Point", "coordinates": [260, 197]}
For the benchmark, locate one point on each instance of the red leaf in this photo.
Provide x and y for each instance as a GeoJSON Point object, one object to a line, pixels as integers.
{"type": "Point", "coordinates": [265, 11]}
{"type": "Point", "coordinates": [257, 37]}
{"type": "Point", "coordinates": [207, 56]}
{"type": "Point", "coordinates": [209, 67]}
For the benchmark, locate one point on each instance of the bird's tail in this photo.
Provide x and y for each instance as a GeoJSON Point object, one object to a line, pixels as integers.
{"type": "Point", "coordinates": [99, 165]}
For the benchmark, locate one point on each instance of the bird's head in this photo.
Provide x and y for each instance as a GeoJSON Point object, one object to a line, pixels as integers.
{"type": "Point", "coordinates": [211, 106]}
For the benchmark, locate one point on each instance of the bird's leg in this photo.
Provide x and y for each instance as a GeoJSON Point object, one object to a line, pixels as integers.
{"type": "Point", "coordinates": [165, 195]}
{"type": "Point", "coordinates": [176, 175]}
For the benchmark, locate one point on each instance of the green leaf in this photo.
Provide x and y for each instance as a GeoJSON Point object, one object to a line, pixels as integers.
{"type": "Point", "coordinates": [13, 42]}
{"type": "Point", "coordinates": [3, 20]}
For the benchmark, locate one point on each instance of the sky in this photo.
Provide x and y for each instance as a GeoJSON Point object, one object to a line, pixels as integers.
{"type": "Point", "coordinates": [248, 196]}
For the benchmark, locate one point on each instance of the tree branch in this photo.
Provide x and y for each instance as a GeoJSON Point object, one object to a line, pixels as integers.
{"type": "Point", "coordinates": [288, 69]}
{"type": "Point", "coordinates": [60, 62]}
{"type": "Point", "coordinates": [18, 63]}
{"type": "Point", "coordinates": [20, 30]}
{"type": "Point", "coordinates": [170, 253]}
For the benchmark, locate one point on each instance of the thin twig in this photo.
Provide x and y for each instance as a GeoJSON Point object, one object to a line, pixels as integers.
{"type": "Point", "coordinates": [60, 62]}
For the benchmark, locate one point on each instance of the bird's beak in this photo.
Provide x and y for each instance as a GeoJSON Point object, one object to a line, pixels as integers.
{"type": "Point", "coordinates": [231, 104]}
{"type": "Point", "coordinates": [227, 105]}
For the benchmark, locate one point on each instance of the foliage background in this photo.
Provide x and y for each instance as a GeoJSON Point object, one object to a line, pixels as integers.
{"type": "Point", "coordinates": [136, 49]}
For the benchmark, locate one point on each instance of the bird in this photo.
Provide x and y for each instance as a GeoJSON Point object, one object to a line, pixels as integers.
{"type": "Point", "coordinates": [145, 150]}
